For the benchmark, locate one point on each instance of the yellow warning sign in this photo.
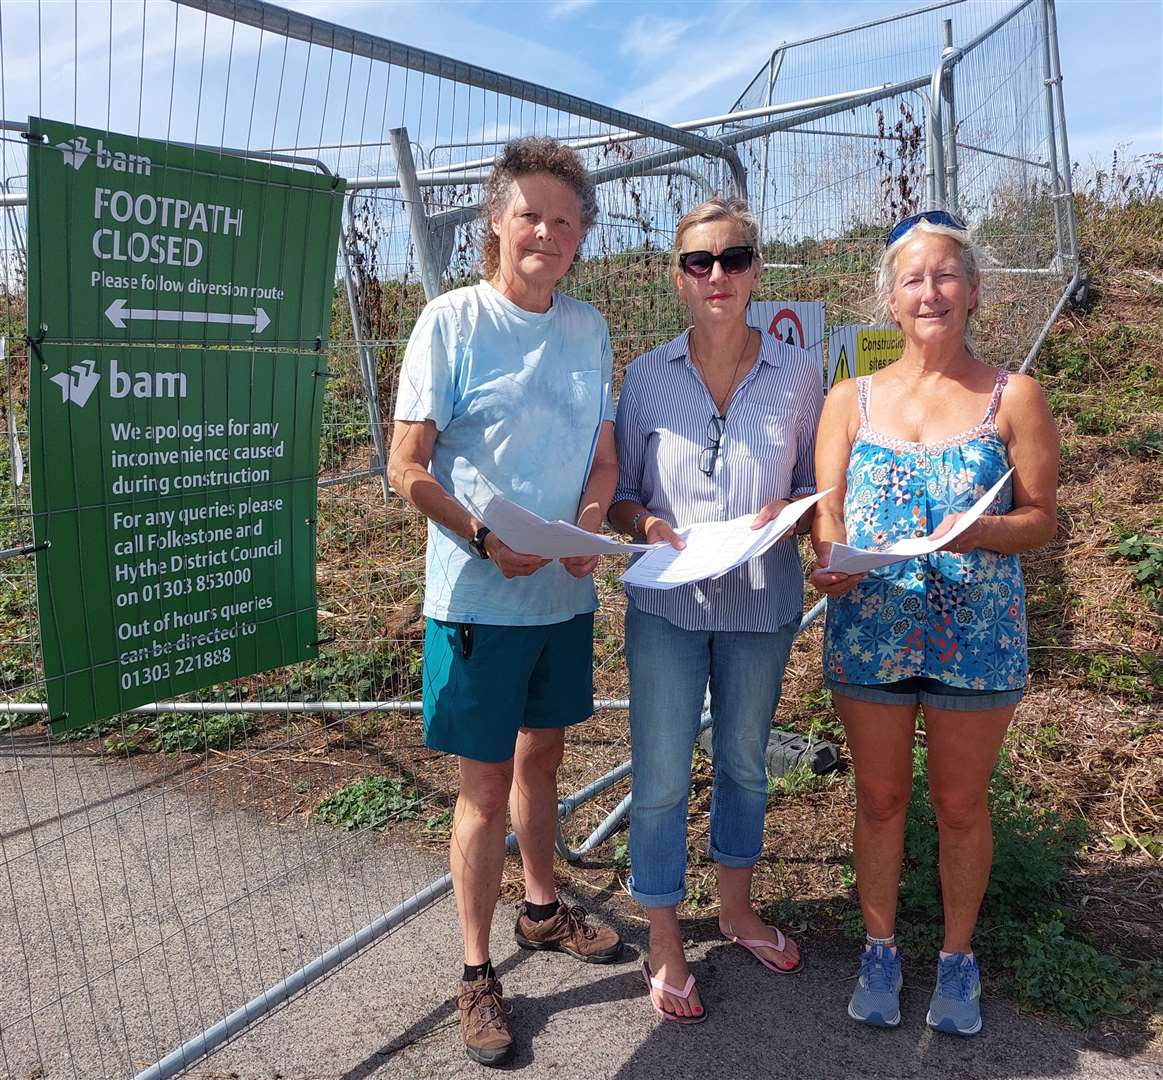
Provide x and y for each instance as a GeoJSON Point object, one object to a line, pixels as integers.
{"type": "Point", "coordinates": [877, 348]}
{"type": "Point", "coordinates": [860, 350]}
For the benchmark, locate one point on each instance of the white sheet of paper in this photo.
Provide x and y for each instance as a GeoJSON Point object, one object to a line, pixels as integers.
{"type": "Point", "coordinates": [713, 548]}
{"type": "Point", "coordinates": [850, 560]}
{"type": "Point", "coordinates": [530, 534]}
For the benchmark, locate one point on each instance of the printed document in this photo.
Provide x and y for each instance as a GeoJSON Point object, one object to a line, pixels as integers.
{"type": "Point", "coordinates": [713, 548]}
{"type": "Point", "coordinates": [531, 534]}
{"type": "Point", "coordinates": [850, 560]}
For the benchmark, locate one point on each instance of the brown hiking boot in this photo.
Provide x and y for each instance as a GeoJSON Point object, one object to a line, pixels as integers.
{"type": "Point", "coordinates": [568, 932]}
{"type": "Point", "coordinates": [484, 1021]}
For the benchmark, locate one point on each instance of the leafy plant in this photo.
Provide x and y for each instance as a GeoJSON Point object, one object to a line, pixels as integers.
{"type": "Point", "coordinates": [1149, 843]}
{"type": "Point", "coordinates": [1146, 552]}
{"type": "Point", "coordinates": [370, 803]}
{"type": "Point", "coordinates": [183, 732]}
{"type": "Point", "coordinates": [439, 823]}
{"type": "Point", "coordinates": [621, 857]}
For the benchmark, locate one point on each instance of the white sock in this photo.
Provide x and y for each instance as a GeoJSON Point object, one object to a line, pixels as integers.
{"type": "Point", "coordinates": [871, 942]}
{"type": "Point", "coordinates": [945, 955]}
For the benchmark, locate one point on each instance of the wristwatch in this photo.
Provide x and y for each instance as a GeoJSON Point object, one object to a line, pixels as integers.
{"type": "Point", "coordinates": [635, 520]}
{"type": "Point", "coordinates": [477, 543]}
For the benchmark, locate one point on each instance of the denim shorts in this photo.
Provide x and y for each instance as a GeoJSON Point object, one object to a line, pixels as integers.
{"type": "Point", "coordinates": [920, 690]}
{"type": "Point", "coordinates": [483, 683]}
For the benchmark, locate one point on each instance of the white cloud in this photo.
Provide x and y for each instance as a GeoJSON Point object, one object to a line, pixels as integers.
{"type": "Point", "coordinates": [563, 9]}
{"type": "Point", "coordinates": [648, 37]}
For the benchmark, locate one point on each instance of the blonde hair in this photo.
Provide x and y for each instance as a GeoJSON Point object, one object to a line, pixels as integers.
{"type": "Point", "coordinates": [972, 257]}
{"type": "Point", "coordinates": [717, 208]}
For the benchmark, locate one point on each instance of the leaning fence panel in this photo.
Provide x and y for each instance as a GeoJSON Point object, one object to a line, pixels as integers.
{"type": "Point", "coordinates": [167, 867]}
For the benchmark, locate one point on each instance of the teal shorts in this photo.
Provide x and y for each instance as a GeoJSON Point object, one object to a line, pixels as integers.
{"type": "Point", "coordinates": [483, 683]}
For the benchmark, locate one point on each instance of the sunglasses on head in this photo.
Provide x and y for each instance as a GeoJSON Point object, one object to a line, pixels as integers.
{"type": "Point", "coordinates": [934, 217]}
{"type": "Point", "coordinates": [733, 260]}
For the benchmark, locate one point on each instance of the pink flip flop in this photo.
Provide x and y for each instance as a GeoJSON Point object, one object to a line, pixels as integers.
{"type": "Point", "coordinates": [753, 945]}
{"type": "Point", "coordinates": [653, 982]}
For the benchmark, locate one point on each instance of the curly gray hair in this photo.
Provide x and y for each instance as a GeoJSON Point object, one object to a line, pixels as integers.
{"type": "Point", "coordinates": [524, 157]}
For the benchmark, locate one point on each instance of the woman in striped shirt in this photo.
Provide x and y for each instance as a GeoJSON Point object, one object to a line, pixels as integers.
{"type": "Point", "coordinates": [717, 423]}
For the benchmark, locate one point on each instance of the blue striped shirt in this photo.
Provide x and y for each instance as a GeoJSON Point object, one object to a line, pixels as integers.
{"type": "Point", "coordinates": [765, 453]}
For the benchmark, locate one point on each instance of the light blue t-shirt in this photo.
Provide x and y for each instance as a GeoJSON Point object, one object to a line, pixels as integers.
{"type": "Point", "coordinates": [518, 398]}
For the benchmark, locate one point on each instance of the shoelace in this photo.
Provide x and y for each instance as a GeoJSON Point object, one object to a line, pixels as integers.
{"type": "Point", "coordinates": [575, 919]}
{"type": "Point", "coordinates": [487, 1002]}
{"type": "Point", "coordinates": [954, 977]}
{"type": "Point", "coordinates": [878, 968]}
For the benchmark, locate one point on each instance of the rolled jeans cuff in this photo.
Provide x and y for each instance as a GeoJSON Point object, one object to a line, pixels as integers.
{"type": "Point", "coordinates": [657, 900]}
{"type": "Point", "coordinates": [733, 862]}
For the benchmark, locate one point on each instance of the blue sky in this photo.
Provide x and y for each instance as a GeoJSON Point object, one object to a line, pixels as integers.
{"type": "Point", "coordinates": [676, 60]}
{"type": "Point", "coordinates": [669, 61]}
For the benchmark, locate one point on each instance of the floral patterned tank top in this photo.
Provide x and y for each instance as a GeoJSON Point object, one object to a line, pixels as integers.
{"type": "Point", "coordinates": [960, 619]}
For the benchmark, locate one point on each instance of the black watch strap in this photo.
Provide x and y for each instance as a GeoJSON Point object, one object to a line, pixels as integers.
{"type": "Point", "coordinates": [477, 543]}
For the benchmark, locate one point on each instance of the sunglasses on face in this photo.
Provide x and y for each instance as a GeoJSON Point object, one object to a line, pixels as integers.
{"type": "Point", "coordinates": [733, 260]}
{"type": "Point", "coordinates": [934, 217]}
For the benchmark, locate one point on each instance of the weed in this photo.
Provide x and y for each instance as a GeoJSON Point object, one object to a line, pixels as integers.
{"type": "Point", "coordinates": [1139, 678]}
{"type": "Point", "coordinates": [129, 740]}
{"type": "Point", "coordinates": [362, 726]}
{"type": "Point", "coordinates": [185, 732]}
{"type": "Point", "coordinates": [800, 781]}
{"type": "Point", "coordinates": [1059, 974]}
{"type": "Point", "coordinates": [88, 731]}
{"type": "Point", "coordinates": [1144, 444]}
{"type": "Point", "coordinates": [1150, 844]}
{"type": "Point", "coordinates": [1146, 552]}
{"type": "Point", "coordinates": [698, 894]}
{"type": "Point", "coordinates": [439, 823]}
{"type": "Point", "coordinates": [621, 857]}
{"type": "Point", "coordinates": [370, 803]}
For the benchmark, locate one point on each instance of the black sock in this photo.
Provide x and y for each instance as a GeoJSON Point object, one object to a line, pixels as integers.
{"type": "Point", "coordinates": [472, 972]}
{"type": "Point", "coordinates": [541, 912]}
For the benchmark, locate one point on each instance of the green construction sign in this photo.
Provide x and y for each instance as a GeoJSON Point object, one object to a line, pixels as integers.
{"type": "Point", "coordinates": [136, 240]}
{"type": "Point", "coordinates": [178, 300]}
{"type": "Point", "coordinates": [173, 497]}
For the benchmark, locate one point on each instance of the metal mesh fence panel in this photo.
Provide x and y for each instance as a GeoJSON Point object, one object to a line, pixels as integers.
{"type": "Point", "coordinates": [163, 868]}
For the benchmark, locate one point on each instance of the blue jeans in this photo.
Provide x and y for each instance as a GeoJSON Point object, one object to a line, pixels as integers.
{"type": "Point", "coordinates": [669, 671]}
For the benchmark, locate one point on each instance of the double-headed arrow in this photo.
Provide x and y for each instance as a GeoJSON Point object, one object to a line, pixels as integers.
{"type": "Point", "coordinates": [118, 313]}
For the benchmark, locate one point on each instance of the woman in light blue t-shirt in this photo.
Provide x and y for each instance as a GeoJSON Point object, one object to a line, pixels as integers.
{"type": "Point", "coordinates": [505, 387]}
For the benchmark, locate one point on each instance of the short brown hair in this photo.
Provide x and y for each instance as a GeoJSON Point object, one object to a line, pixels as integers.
{"type": "Point", "coordinates": [717, 208]}
{"type": "Point", "coordinates": [524, 157]}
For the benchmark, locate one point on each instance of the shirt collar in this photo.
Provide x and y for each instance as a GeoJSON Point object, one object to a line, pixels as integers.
{"type": "Point", "coordinates": [770, 348]}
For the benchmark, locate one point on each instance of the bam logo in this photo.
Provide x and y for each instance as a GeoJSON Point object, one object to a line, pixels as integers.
{"type": "Point", "coordinates": [77, 151]}
{"type": "Point", "coordinates": [78, 386]}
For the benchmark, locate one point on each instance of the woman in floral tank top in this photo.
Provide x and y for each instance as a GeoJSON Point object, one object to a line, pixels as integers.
{"type": "Point", "coordinates": [909, 450]}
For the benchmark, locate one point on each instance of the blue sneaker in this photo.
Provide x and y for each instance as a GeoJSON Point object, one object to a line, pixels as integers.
{"type": "Point", "coordinates": [876, 999]}
{"type": "Point", "coordinates": [955, 1007]}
